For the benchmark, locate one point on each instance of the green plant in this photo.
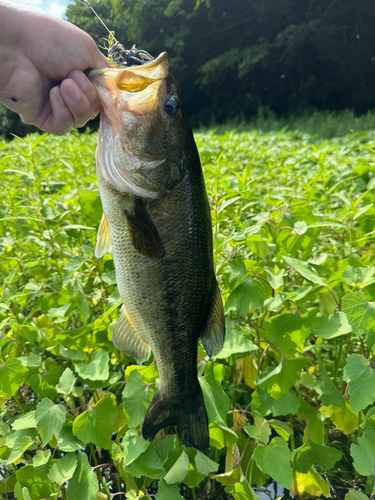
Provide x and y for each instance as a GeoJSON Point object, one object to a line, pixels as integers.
{"type": "Point", "coordinates": [291, 396]}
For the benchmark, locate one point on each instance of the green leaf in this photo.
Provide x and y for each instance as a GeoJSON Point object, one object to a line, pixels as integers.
{"type": "Point", "coordinates": [363, 453]}
{"type": "Point", "coordinates": [136, 399]}
{"type": "Point", "coordinates": [96, 369]}
{"type": "Point", "coordinates": [327, 391]}
{"type": "Point", "coordinates": [83, 484]}
{"type": "Point", "coordinates": [45, 383]}
{"type": "Point", "coordinates": [21, 445]}
{"type": "Point", "coordinates": [311, 453]}
{"type": "Point", "coordinates": [204, 464]}
{"type": "Point", "coordinates": [134, 445]}
{"type": "Point", "coordinates": [275, 277]}
{"type": "Point", "coordinates": [41, 458]}
{"type": "Point", "coordinates": [362, 382]}
{"type": "Point", "coordinates": [355, 495]}
{"type": "Point", "coordinates": [36, 481]}
{"type": "Point", "coordinates": [315, 426]}
{"type": "Point", "coordinates": [66, 382]}
{"type": "Point", "coordinates": [179, 469]}
{"type": "Point", "coordinates": [49, 419]}
{"type": "Point", "coordinates": [234, 273]}
{"type": "Point", "coordinates": [283, 429]}
{"type": "Point", "coordinates": [64, 469]}
{"type": "Point", "coordinates": [11, 374]}
{"type": "Point", "coordinates": [279, 380]}
{"type": "Point", "coordinates": [96, 424]}
{"type": "Point", "coordinates": [168, 492]}
{"type": "Point", "coordinates": [216, 401]}
{"type": "Point", "coordinates": [359, 276]}
{"type": "Point", "coordinates": [242, 491]}
{"type": "Point", "coordinates": [300, 227]}
{"type": "Point", "coordinates": [274, 460]}
{"type": "Point", "coordinates": [67, 442]}
{"type": "Point", "coordinates": [26, 421]}
{"type": "Point", "coordinates": [279, 329]}
{"type": "Point", "coordinates": [303, 269]}
{"type": "Point", "coordinates": [262, 402]}
{"type": "Point", "coordinates": [250, 293]}
{"type": "Point", "coordinates": [342, 417]}
{"type": "Point", "coordinates": [360, 314]}
{"type": "Point", "coordinates": [148, 464]}
{"type": "Point", "coordinates": [58, 312]}
{"type": "Point", "coordinates": [329, 327]}
{"type": "Point", "coordinates": [235, 342]}
{"type": "Point", "coordinates": [71, 267]}
{"type": "Point", "coordinates": [31, 361]}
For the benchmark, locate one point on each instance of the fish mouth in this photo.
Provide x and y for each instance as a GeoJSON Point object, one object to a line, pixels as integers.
{"type": "Point", "coordinates": [155, 70]}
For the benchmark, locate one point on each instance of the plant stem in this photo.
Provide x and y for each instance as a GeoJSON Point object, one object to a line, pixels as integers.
{"type": "Point", "coordinates": [18, 404]}
{"type": "Point", "coordinates": [292, 440]}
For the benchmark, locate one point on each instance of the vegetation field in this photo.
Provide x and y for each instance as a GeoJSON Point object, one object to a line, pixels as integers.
{"type": "Point", "coordinates": [290, 398]}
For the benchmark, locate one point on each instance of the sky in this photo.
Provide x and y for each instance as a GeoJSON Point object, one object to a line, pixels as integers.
{"type": "Point", "coordinates": [55, 8]}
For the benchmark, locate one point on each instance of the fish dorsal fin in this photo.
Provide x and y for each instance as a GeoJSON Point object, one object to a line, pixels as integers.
{"type": "Point", "coordinates": [127, 339]}
{"type": "Point", "coordinates": [103, 238]}
{"type": "Point", "coordinates": [143, 233]}
{"type": "Point", "coordinates": [214, 334]}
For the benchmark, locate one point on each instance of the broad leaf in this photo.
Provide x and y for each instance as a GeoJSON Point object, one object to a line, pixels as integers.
{"type": "Point", "coordinates": [49, 419]}
{"type": "Point", "coordinates": [96, 424]}
{"type": "Point", "coordinates": [274, 459]}
{"type": "Point", "coordinates": [83, 484]}
{"type": "Point", "coordinates": [179, 470]}
{"type": "Point", "coordinates": [66, 382]}
{"type": "Point", "coordinates": [311, 453]}
{"type": "Point", "coordinates": [96, 369]}
{"type": "Point", "coordinates": [11, 374]}
{"type": "Point", "coordinates": [250, 293]}
{"type": "Point", "coordinates": [361, 376]}
{"type": "Point", "coordinates": [329, 327]}
{"type": "Point", "coordinates": [360, 314]}
{"type": "Point", "coordinates": [136, 399]}
{"type": "Point", "coordinates": [304, 270]}
{"type": "Point", "coordinates": [64, 469]}
{"type": "Point", "coordinates": [279, 380]}
{"type": "Point", "coordinates": [363, 453]}
{"type": "Point", "coordinates": [134, 445]}
{"type": "Point", "coordinates": [235, 342]}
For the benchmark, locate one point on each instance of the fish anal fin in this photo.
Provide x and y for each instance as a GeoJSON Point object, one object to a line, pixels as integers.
{"type": "Point", "coordinates": [103, 239]}
{"type": "Point", "coordinates": [127, 339]}
{"type": "Point", "coordinates": [188, 415]}
{"type": "Point", "coordinates": [213, 335]}
{"type": "Point", "coordinates": [144, 235]}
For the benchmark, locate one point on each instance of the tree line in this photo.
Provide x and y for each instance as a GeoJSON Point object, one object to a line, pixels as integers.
{"type": "Point", "coordinates": [232, 57]}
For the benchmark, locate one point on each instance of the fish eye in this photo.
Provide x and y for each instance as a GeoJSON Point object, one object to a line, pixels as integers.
{"type": "Point", "coordinates": [171, 106]}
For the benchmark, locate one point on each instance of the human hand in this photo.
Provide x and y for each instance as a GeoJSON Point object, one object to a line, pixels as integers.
{"type": "Point", "coordinates": [42, 79]}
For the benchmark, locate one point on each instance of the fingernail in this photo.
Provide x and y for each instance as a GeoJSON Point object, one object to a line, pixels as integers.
{"type": "Point", "coordinates": [72, 91]}
{"type": "Point", "coordinates": [80, 80]}
{"type": "Point", "coordinates": [56, 93]}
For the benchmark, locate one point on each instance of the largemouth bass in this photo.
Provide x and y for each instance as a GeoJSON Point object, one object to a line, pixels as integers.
{"type": "Point", "coordinates": [157, 221]}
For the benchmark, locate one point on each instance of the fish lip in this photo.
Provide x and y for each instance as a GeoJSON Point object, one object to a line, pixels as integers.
{"type": "Point", "coordinates": [92, 73]}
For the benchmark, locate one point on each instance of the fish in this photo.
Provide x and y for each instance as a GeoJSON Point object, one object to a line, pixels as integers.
{"type": "Point", "coordinates": [156, 219]}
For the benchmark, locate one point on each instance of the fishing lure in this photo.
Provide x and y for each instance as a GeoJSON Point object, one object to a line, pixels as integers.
{"type": "Point", "coordinates": [117, 53]}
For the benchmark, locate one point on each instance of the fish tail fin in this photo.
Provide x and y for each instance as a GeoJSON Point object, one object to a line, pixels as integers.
{"type": "Point", "coordinates": [189, 416]}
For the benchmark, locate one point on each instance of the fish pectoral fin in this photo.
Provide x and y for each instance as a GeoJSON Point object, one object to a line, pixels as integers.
{"type": "Point", "coordinates": [103, 238]}
{"type": "Point", "coordinates": [144, 235]}
{"type": "Point", "coordinates": [127, 339]}
{"type": "Point", "coordinates": [213, 335]}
